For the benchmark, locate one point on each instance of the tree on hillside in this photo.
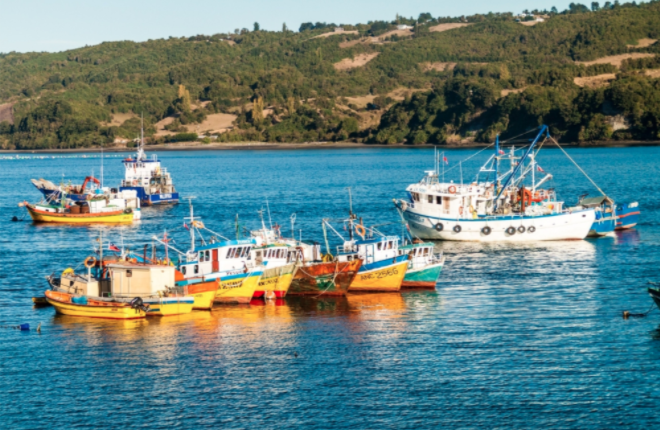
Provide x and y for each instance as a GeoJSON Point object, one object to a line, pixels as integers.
{"type": "Point", "coordinates": [284, 28]}
{"type": "Point", "coordinates": [306, 26]}
{"type": "Point", "coordinates": [595, 7]}
{"type": "Point", "coordinates": [425, 16]}
{"type": "Point", "coordinates": [256, 26]}
{"type": "Point", "coordinates": [554, 10]}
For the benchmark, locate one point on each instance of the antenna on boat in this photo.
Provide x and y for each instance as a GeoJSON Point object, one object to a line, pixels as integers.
{"type": "Point", "coordinates": [192, 223]}
{"type": "Point", "coordinates": [238, 229]}
{"type": "Point", "coordinates": [293, 221]}
{"type": "Point", "coordinates": [270, 221]}
{"type": "Point", "coordinates": [351, 216]}
{"type": "Point", "coordinates": [101, 167]}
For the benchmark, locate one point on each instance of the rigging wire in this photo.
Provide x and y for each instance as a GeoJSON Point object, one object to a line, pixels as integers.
{"type": "Point", "coordinates": [579, 168]}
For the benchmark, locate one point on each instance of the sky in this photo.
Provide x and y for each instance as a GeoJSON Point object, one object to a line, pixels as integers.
{"type": "Point", "coordinates": [60, 25]}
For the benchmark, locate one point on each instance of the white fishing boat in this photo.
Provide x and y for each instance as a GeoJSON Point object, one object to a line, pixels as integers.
{"type": "Point", "coordinates": [501, 209]}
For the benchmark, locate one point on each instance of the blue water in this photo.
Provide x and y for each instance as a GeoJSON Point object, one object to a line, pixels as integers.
{"type": "Point", "coordinates": [516, 336]}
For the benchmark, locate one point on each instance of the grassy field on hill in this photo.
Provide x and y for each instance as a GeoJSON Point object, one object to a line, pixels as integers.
{"type": "Point", "coordinates": [589, 73]}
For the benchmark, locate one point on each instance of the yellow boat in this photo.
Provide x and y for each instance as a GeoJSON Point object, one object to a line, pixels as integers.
{"type": "Point", "coordinates": [53, 215]}
{"type": "Point", "coordinates": [275, 282]}
{"type": "Point", "coordinates": [64, 304]}
{"type": "Point", "coordinates": [238, 288]}
{"type": "Point", "coordinates": [202, 291]}
{"type": "Point", "coordinates": [380, 278]}
{"type": "Point", "coordinates": [168, 306]}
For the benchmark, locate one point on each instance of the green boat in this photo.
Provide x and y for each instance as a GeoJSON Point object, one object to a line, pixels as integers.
{"type": "Point", "coordinates": [424, 267]}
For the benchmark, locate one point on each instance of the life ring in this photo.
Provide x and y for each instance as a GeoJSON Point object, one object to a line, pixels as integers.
{"type": "Point", "coordinates": [439, 227]}
{"type": "Point", "coordinates": [486, 231]}
{"type": "Point", "coordinates": [531, 229]}
{"type": "Point", "coordinates": [521, 229]}
{"type": "Point", "coordinates": [452, 189]}
{"type": "Point", "coordinates": [511, 231]}
{"type": "Point", "coordinates": [128, 210]}
{"type": "Point", "coordinates": [457, 228]}
{"type": "Point", "coordinates": [90, 262]}
{"type": "Point", "coordinates": [359, 229]}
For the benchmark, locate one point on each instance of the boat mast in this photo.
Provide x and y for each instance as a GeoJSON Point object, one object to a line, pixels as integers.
{"type": "Point", "coordinates": [191, 227]}
{"type": "Point", "coordinates": [350, 214]}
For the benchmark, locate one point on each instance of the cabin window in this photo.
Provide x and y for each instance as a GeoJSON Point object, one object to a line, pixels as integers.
{"type": "Point", "coordinates": [445, 205]}
{"type": "Point", "coordinates": [242, 253]}
{"type": "Point", "coordinates": [258, 254]}
{"type": "Point", "coordinates": [201, 256]}
{"type": "Point", "coordinates": [349, 258]}
{"type": "Point", "coordinates": [196, 269]}
{"type": "Point", "coordinates": [183, 270]}
{"type": "Point", "coordinates": [208, 255]}
{"type": "Point", "coordinates": [438, 200]}
{"type": "Point", "coordinates": [389, 245]}
{"type": "Point", "coordinates": [426, 251]}
{"type": "Point", "coordinates": [379, 246]}
{"type": "Point", "coordinates": [430, 197]}
{"type": "Point", "coordinates": [229, 253]}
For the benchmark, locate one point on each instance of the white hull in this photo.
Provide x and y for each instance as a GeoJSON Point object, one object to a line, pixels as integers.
{"type": "Point", "coordinates": [565, 226]}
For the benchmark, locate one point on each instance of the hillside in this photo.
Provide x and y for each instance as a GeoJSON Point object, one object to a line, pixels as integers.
{"type": "Point", "coordinates": [590, 75]}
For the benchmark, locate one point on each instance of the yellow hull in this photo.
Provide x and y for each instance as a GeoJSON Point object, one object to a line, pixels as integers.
{"type": "Point", "coordinates": [387, 278]}
{"type": "Point", "coordinates": [107, 312]}
{"type": "Point", "coordinates": [238, 290]}
{"type": "Point", "coordinates": [121, 218]}
{"type": "Point", "coordinates": [169, 309]}
{"type": "Point", "coordinates": [283, 284]}
{"type": "Point", "coordinates": [204, 301]}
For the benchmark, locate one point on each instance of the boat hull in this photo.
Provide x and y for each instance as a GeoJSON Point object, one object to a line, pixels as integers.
{"type": "Point", "coordinates": [329, 279]}
{"type": "Point", "coordinates": [118, 217]}
{"type": "Point", "coordinates": [275, 282]}
{"type": "Point", "coordinates": [565, 226]}
{"type": "Point", "coordinates": [237, 288]}
{"type": "Point", "coordinates": [153, 199]}
{"type": "Point", "coordinates": [380, 278]}
{"type": "Point", "coordinates": [425, 277]}
{"type": "Point", "coordinates": [204, 294]}
{"type": "Point", "coordinates": [627, 216]}
{"type": "Point", "coordinates": [169, 306]}
{"type": "Point", "coordinates": [94, 309]}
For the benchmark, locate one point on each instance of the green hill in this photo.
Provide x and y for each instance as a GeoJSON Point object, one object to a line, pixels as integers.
{"type": "Point", "coordinates": [369, 83]}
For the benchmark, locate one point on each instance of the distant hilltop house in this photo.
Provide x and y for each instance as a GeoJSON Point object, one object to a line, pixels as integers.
{"type": "Point", "coordinates": [403, 27]}
{"type": "Point", "coordinates": [339, 29]}
{"type": "Point", "coordinates": [529, 17]}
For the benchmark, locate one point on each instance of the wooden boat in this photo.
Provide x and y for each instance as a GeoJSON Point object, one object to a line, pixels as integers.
{"type": "Point", "coordinates": [55, 214]}
{"type": "Point", "coordinates": [202, 291]}
{"type": "Point", "coordinates": [279, 260]}
{"type": "Point", "coordinates": [81, 306]}
{"type": "Point", "coordinates": [424, 268]}
{"type": "Point", "coordinates": [330, 279]}
{"type": "Point", "coordinates": [238, 287]}
{"type": "Point", "coordinates": [40, 301]}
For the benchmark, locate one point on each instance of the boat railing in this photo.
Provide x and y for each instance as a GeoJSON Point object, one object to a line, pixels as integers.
{"type": "Point", "coordinates": [346, 249]}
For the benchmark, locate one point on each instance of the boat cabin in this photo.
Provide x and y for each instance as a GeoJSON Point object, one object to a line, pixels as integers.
{"type": "Point", "coordinates": [138, 280]}
{"type": "Point", "coordinates": [211, 260]}
{"type": "Point", "coordinates": [369, 250]}
{"type": "Point", "coordinates": [274, 255]}
{"type": "Point", "coordinates": [421, 254]}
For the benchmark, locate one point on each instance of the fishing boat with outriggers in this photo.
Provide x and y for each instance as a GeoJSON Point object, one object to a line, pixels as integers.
{"type": "Point", "coordinates": [383, 267]}
{"type": "Point", "coordinates": [499, 208]}
{"type": "Point", "coordinates": [225, 265]}
{"type": "Point", "coordinates": [152, 182]}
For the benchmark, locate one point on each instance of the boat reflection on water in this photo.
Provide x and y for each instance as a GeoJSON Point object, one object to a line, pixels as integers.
{"type": "Point", "coordinates": [628, 237]}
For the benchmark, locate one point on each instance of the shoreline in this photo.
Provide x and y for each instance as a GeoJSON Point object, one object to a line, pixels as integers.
{"type": "Point", "coordinates": [260, 146]}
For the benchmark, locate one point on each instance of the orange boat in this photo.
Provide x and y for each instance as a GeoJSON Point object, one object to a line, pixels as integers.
{"type": "Point", "coordinates": [330, 279]}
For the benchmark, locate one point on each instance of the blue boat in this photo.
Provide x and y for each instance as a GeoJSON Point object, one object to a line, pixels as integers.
{"type": "Point", "coordinates": [627, 215]}
{"type": "Point", "coordinates": [152, 182]}
{"type": "Point", "coordinates": [606, 215]}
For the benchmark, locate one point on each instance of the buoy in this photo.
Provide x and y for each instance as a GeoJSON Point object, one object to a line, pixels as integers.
{"type": "Point", "coordinates": [39, 328]}
{"type": "Point", "coordinates": [25, 327]}
{"type": "Point", "coordinates": [295, 354]}
{"type": "Point", "coordinates": [626, 314]}
{"type": "Point", "coordinates": [14, 218]}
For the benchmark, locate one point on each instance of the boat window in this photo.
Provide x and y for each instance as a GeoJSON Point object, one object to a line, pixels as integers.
{"type": "Point", "coordinates": [196, 269]}
{"type": "Point", "coordinates": [426, 251]}
{"type": "Point", "coordinates": [183, 270]}
{"type": "Point", "coordinates": [349, 258]}
{"type": "Point", "coordinates": [229, 253]}
{"type": "Point", "coordinates": [258, 254]}
{"type": "Point", "coordinates": [201, 256]}
{"type": "Point", "coordinates": [208, 255]}
{"type": "Point", "coordinates": [379, 246]}
{"type": "Point", "coordinates": [430, 198]}
{"type": "Point", "coordinates": [438, 200]}
{"type": "Point", "coordinates": [389, 245]}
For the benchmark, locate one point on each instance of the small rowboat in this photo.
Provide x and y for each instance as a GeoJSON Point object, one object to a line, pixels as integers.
{"type": "Point", "coordinates": [68, 304]}
{"type": "Point", "coordinates": [40, 301]}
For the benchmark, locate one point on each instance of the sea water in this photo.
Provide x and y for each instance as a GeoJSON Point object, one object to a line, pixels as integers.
{"type": "Point", "coordinates": [515, 336]}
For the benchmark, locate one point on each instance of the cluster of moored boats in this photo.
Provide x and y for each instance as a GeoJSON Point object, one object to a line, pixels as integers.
{"type": "Point", "coordinates": [507, 206]}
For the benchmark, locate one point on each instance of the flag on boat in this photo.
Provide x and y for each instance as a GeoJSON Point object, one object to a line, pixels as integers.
{"type": "Point", "coordinates": [445, 159]}
{"type": "Point", "coordinates": [539, 168]}
{"type": "Point", "coordinates": [499, 151]}
{"type": "Point", "coordinates": [114, 248]}
{"type": "Point", "coordinates": [186, 226]}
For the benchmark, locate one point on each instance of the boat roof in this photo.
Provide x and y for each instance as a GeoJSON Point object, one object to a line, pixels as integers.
{"type": "Point", "coordinates": [272, 245]}
{"type": "Point", "coordinates": [417, 245]}
{"type": "Point", "coordinates": [376, 240]}
{"type": "Point", "coordinates": [595, 201]}
{"type": "Point", "coordinates": [226, 243]}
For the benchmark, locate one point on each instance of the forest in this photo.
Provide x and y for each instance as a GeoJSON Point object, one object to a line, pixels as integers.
{"type": "Point", "coordinates": [416, 80]}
